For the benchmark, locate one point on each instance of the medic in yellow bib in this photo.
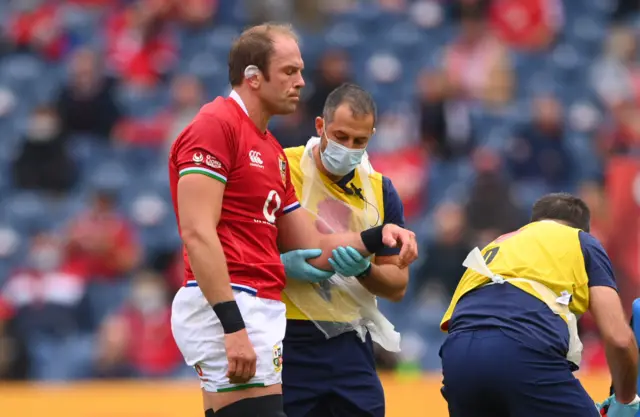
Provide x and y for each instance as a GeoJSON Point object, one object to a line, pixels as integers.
{"type": "Point", "coordinates": [329, 368]}
{"type": "Point", "coordinates": [513, 342]}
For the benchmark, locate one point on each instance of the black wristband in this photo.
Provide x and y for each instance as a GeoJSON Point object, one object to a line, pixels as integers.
{"type": "Point", "coordinates": [229, 315]}
{"type": "Point", "coordinates": [372, 239]}
{"type": "Point", "coordinates": [364, 273]}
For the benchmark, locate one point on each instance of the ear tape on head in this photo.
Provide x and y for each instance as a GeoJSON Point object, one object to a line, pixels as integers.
{"type": "Point", "coordinates": [251, 71]}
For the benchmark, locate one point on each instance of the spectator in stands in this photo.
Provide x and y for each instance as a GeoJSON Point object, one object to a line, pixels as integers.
{"type": "Point", "coordinates": [445, 127]}
{"type": "Point", "coordinates": [140, 46]}
{"type": "Point", "coordinates": [625, 9]}
{"type": "Point", "coordinates": [620, 132]}
{"type": "Point", "coordinates": [527, 25]}
{"type": "Point", "coordinates": [333, 71]}
{"type": "Point", "coordinates": [44, 306]}
{"type": "Point", "coordinates": [86, 103]}
{"type": "Point", "coordinates": [294, 129]}
{"type": "Point", "coordinates": [616, 75]}
{"type": "Point", "coordinates": [194, 14]}
{"type": "Point", "coordinates": [458, 8]}
{"type": "Point", "coordinates": [37, 26]}
{"type": "Point", "coordinates": [593, 193]}
{"type": "Point", "coordinates": [101, 242]}
{"type": "Point", "coordinates": [538, 152]}
{"type": "Point", "coordinates": [137, 340]}
{"type": "Point", "coordinates": [616, 78]}
{"type": "Point", "coordinates": [490, 209]}
{"type": "Point", "coordinates": [43, 162]}
{"type": "Point", "coordinates": [477, 64]}
{"type": "Point", "coordinates": [14, 361]}
{"type": "Point", "coordinates": [443, 268]}
{"type": "Point", "coordinates": [187, 96]}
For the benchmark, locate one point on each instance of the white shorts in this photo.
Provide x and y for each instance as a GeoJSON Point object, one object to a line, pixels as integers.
{"type": "Point", "coordinates": [199, 336]}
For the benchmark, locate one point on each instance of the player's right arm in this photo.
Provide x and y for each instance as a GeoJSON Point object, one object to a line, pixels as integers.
{"type": "Point", "coordinates": [604, 303]}
{"type": "Point", "coordinates": [199, 208]}
{"type": "Point", "coordinates": [200, 193]}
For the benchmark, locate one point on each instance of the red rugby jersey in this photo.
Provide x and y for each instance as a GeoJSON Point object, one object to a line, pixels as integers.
{"type": "Point", "coordinates": [223, 143]}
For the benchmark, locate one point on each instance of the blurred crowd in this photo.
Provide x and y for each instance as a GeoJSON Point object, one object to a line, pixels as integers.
{"type": "Point", "coordinates": [483, 107]}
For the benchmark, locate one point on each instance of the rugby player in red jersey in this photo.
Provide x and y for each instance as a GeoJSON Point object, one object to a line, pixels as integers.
{"type": "Point", "coordinates": [235, 219]}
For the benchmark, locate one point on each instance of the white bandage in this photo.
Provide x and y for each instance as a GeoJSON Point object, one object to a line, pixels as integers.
{"type": "Point", "coordinates": [251, 71]}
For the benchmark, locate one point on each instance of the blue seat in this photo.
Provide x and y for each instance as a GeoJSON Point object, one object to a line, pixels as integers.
{"type": "Point", "coordinates": [208, 66]}
{"type": "Point", "coordinates": [231, 13]}
{"type": "Point", "coordinates": [65, 359]}
{"type": "Point", "coordinates": [342, 35]}
{"type": "Point", "coordinates": [106, 298]}
{"type": "Point", "coordinates": [109, 174]}
{"type": "Point", "coordinates": [26, 211]}
{"type": "Point", "coordinates": [221, 38]}
{"type": "Point", "coordinates": [140, 103]}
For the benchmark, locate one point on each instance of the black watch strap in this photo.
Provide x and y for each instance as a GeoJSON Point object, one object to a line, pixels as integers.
{"type": "Point", "coordinates": [365, 273]}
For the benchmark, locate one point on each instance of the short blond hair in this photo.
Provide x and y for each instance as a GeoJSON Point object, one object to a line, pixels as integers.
{"type": "Point", "coordinates": [255, 47]}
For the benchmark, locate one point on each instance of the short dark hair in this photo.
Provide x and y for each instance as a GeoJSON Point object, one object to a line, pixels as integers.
{"type": "Point", "coordinates": [563, 207]}
{"type": "Point", "coordinates": [359, 100]}
{"type": "Point", "coordinates": [255, 47]}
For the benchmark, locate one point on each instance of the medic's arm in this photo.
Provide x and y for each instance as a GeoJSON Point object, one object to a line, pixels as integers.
{"type": "Point", "coordinates": [604, 303]}
{"type": "Point", "coordinates": [387, 279]}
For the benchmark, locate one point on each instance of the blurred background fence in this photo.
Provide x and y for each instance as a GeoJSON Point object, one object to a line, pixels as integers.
{"type": "Point", "coordinates": [484, 106]}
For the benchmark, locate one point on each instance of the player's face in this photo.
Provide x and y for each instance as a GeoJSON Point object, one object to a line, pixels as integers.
{"type": "Point", "coordinates": [346, 129]}
{"type": "Point", "coordinates": [281, 94]}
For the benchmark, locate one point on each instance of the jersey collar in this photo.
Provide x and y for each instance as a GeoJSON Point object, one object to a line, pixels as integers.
{"type": "Point", "coordinates": [236, 97]}
{"type": "Point", "coordinates": [344, 181]}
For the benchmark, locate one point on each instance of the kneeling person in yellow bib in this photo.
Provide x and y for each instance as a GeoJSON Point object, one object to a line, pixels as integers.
{"type": "Point", "coordinates": [329, 368]}
{"type": "Point", "coordinates": [512, 341]}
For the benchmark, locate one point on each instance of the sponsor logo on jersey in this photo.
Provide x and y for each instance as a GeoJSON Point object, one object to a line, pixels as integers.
{"type": "Point", "coordinates": [198, 158]}
{"type": "Point", "coordinates": [282, 162]}
{"type": "Point", "coordinates": [213, 162]}
{"type": "Point", "coordinates": [256, 159]}
{"type": "Point", "coordinates": [277, 358]}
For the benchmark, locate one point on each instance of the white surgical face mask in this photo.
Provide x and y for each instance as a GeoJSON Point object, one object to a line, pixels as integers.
{"type": "Point", "coordinates": [43, 129]}
{"type": "Point", "coordinates": [340, 160]}
{"type": "Point", "coordinates": [45, 259]}
{"type": "Point", "coordinates": [148, 299]}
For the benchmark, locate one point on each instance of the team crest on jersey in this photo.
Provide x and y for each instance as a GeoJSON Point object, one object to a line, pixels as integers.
{"type": "Point", "coordinates": [277, 358]}
{"type": "Point", "coordinates": [283, 168]}
{"type": "Point", "coordinates": [198, 158]}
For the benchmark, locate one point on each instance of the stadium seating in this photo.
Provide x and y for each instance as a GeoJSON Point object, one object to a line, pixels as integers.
{"type": "Point", "coordinates": [141, 173]}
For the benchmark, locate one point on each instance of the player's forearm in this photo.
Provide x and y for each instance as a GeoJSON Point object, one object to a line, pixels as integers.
{"type": "Point", "coordinates": [387, 281]}
{"type": "Point", "coordinates": [209, 265]}
{"type": "Point", "coordinates": [622, 356]}
{"type": "Point", "coordinates": [329, 242]}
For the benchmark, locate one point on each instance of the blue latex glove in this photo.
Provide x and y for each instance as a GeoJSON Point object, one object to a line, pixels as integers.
{"type": "Point", "coordinates": [348, 262]}
{"type": "Point", "coordinates": [619, 410]}
{"type": "Point", "coordinates": [296, 266]}
{"type": "Point", "coordinates": [605, 404]}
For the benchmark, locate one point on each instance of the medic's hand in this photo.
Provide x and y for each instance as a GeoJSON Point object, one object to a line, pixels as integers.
{"type": "Point", "coordinates": [348, 262]}
{"type": "Point", "coordinates": [395, 236]}
{"type": "Point", "coordinates": [296, 266]}
{"type": "Point", "coordinates": [613, 408]}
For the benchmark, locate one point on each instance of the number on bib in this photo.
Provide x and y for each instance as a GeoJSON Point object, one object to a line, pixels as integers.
{"type": "Point", "coordinates": [491, 254]}
{"type": "Point", "coordinates": [271, 206]}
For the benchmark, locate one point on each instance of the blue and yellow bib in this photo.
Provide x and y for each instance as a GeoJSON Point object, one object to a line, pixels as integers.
{"type": "Point", "coordinates": [340, 212]}
{"type": "Point", "coordinates": [547, 252]}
